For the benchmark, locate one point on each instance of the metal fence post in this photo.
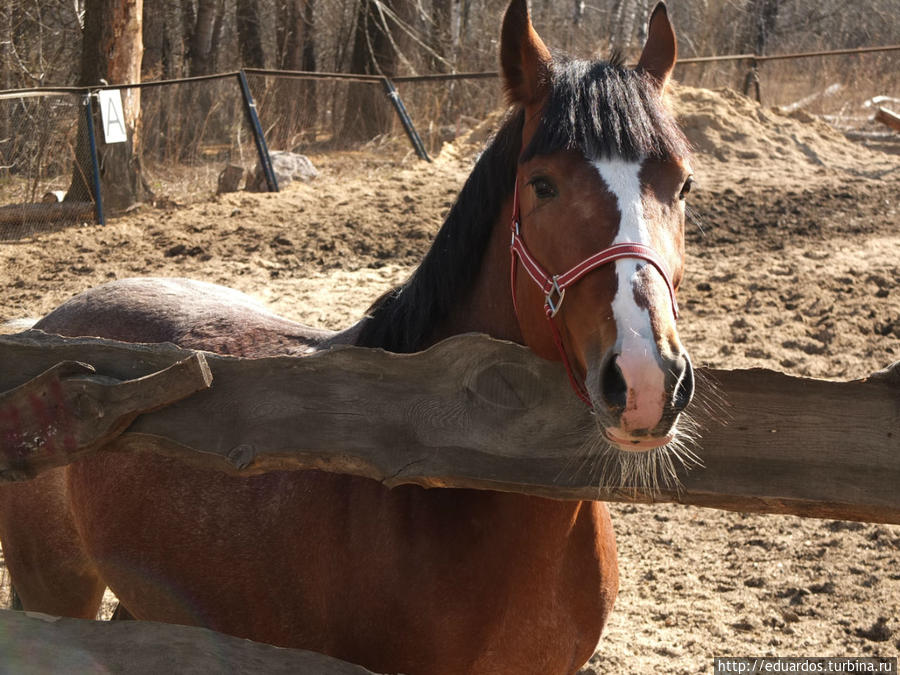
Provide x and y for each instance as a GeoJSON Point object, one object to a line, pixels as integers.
{"type": "Point", "coordinates": [752, 78]}
{"type": "Point", "coordinates": [408, 127]}
{"type": "Point", "coordinates": [95, 164]}
{"type": "Point", "coordinates": [264, 160]}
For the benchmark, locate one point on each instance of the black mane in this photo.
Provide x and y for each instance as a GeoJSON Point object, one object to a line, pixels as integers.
{"type": "Point", "coordinates": [605, 110]}
{"type": "Point", "coordinates": [600, 109]}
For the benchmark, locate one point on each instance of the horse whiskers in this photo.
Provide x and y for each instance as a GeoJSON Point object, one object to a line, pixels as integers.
{"type": "Point", "coordinates": [609, 467]}
{"type": "Point", "coordinates": [709, 400]}
{"type": "Point", "coordinates": [612, 468]}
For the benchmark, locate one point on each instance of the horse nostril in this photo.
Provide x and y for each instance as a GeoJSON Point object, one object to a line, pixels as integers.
{"type": "Point", "coordinates": [684, 390]}
{"type": "Point", "coordinates": [612, 384]}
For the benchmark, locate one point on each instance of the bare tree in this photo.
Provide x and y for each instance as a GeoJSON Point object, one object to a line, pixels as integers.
{"type": "Point", "coordinates": [111, 52]}
{"type": "Point", "coordinates": [441, 40]}
{"type": "Point", "coordinates": [40, 43]}
{"type": "Point", "coordinates": [297, 100]}
{"type": "Point", "coordinates": [377, 38]}
{"type": "Point", "coordinates": [247, 19]}
{"type": "Point", "coordinates": [205, 31]}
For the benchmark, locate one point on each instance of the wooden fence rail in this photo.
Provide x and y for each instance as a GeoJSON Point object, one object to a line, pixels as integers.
{"type": "Point", "coordinates": [470, 412]}
{"type": "Point", "coordinates": [36, 644]}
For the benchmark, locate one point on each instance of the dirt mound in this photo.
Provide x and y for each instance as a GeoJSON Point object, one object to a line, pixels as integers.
{"type": "Point", "coordinates": [473, 141]}
{"type": "Point", "coordinates": [766, 144]}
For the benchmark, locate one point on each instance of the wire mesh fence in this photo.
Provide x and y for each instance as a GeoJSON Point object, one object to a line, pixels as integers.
{"type": "Point", "coordinates": [445, 109]}
{"type": "Point", "coordinates": [39, 137]}
{"type": "Point", "coordinates": [191, 132]}
{"type": "Point", "coordinates": [311, 113]}
{"type": "Point", "coordinates": [194, 133]}
{"type": "Point", "coordinates": [190, 135]}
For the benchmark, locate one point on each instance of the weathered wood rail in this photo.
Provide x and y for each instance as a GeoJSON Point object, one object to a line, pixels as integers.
{"type": "Point", "coordinates": [470, 412]}
{"type": "Point", "coordinates": [34, 644]}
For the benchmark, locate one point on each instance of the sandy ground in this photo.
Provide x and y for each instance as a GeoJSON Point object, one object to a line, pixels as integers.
{"type": "Point", "coordinates": [793, 264]}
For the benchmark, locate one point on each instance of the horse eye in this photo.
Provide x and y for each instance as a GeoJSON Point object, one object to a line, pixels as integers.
{"type": "Point", "coordinates": [543, 188]}
{"type": "Point", "coordinates": [686, 187]}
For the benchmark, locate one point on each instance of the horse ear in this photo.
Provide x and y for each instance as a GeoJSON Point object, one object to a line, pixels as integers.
{"type": "Point", "coordinates": [661, 50]}
{"type": "Point", "coordinates": [524, 58]}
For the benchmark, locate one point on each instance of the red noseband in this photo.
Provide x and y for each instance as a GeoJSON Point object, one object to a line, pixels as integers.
{"type": "Point", "coordinates": [554, 286]}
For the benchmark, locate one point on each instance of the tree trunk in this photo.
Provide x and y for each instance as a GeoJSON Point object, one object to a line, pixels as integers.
{"type": "Point", "coordinates": [249, 34]}
{"type": "Point", "coordinates": [578, 12]}
{"type": "Point", "coordinates": [164, 40]}
{"type": "Point", "coordinates": [367, 114]}
{"type": "Point", "coordinates": [154, 37]}
{"type": "Point", "coordinates": [6, 62]}
{"type": "Point", "coordinates": [626, 16]}
{"type": "Point", "coordinates": [198, 100]}
{"type": "Point", "coordinates": [207, 24]}
{"type": "Point", "coordinates": [296, 99]}
{"type": "Point", "coordinates": [765, 13]}
{"type": "Point", "coordinates": [188, 20]}
{"type": "Point", "coordinates": [284, 26]}
{"type": "Point", "coordinates": [165, 57]}
{"type": "Point", "coordinates": [308, 50]}
{"type": "Point", "coordinates": [465, 11]}
{"type": "Point", "coordinates": [308, 46]}
{"type": "Point", "coordinates": [112, 47]}
{"type": "Point", "coordinates": [441, 41]}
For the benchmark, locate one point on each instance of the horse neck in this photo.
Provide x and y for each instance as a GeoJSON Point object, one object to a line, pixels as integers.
{"type": "Point", "coordinates": [487, 307]}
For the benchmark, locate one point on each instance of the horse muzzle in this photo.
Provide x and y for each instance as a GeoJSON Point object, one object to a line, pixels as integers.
{"type": "Point", "coordinates": [638, 397]}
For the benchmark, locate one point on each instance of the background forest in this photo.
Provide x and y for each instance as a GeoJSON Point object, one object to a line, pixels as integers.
{"type": "Point", "coordinates": [40, 40]}
{"type": "Point", "coordinates": [54, 43]}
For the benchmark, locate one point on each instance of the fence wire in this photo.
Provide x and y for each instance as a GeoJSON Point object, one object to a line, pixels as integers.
{"type": "Point", "coordinates": [445, 110]}
{"type": "Point", "coordinates": [190, 132]}
{"type": "Point", "coordinates": [311, 115]}
{"type": "Point", "coordinates": [39, 137]}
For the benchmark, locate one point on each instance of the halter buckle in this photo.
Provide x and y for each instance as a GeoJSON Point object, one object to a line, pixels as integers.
{"type": "Point", "coordinates": [552, 305]}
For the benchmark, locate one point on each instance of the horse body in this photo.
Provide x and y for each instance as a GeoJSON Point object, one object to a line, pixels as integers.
{"type": "Point", "coordinates": [333, 563]}
{"type": "Point", "coordinates": [408, 580]}
{"type": "Point", "coordinates": [342, 578]}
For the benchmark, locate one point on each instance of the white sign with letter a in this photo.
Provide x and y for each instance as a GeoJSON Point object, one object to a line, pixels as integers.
{"type": "Point", "coordinates": [113, 116]}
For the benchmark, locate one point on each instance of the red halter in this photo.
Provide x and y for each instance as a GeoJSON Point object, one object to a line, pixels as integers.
{"type": "Point", "coordinates": [554, 286]}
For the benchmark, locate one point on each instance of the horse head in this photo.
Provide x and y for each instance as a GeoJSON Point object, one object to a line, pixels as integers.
{"type": "Point", "coordinates": [598, 227]}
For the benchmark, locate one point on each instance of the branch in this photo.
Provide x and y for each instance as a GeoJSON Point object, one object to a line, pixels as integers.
{"type": "Point", "coordinates": [68, 412]}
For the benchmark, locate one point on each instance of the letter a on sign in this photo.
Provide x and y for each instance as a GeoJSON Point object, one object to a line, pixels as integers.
{"type": "Point", "coordinates": [113, 116]}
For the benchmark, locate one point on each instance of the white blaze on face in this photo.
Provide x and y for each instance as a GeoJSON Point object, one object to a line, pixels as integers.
{"type": "Point", "coordinates": [639, 359]}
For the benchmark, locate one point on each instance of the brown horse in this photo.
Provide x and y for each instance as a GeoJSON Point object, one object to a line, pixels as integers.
{"type": "Point", "coordinates": [587, 177]}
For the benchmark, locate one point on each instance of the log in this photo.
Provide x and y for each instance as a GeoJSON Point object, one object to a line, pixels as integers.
{"type": "Point", "coordinates": [830, 90]}
{"type": "Point", "coordinates": [34, 644]}
{"type": "Point", "coordinates": [889, 118]}
{"type": "Point", "coordinates": [473, 412]}
{"type": "Point", "coordinates": [37, 214]}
